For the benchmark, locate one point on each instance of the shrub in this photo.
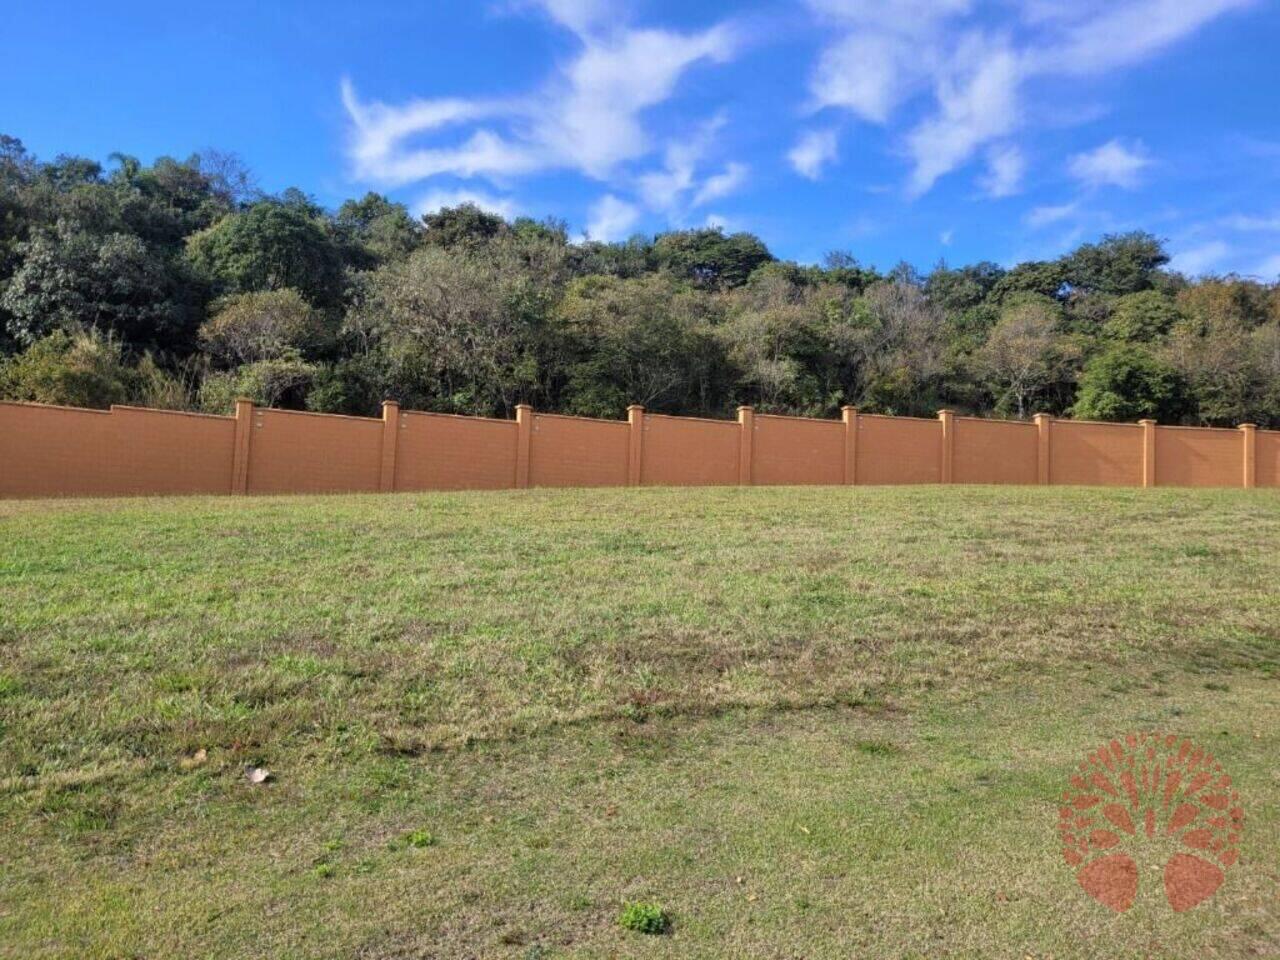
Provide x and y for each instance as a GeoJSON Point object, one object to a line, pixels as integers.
{"type": "Point", "coordinates": [416, 839]}
{"type": "Point", "coordinates": [84, 370]}
{"type": "Point", "coordinates": [264, 325]}
{"type": "Point", "coordinates": [647, 918]}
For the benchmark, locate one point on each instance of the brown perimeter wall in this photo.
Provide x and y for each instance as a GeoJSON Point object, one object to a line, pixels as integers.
{"type": "Point", "coordinates": [126, 451]}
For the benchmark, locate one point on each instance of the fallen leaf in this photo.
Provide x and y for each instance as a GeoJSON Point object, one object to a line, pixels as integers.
{"type": "Point", "coordinates": [257, 774]}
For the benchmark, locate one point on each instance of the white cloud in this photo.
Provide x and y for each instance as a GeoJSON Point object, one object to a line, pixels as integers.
{"type": "Point", "coordinates": [593, 122]}
{"type": "Point", "coordinates": [504, 207]}
{"type": "Point", "coordinates": [946, 237]}
{"type": "Point", "coordinates": [978, 103]}
{"type": "Point", "coordinates": [1268, 269]}
{"type": "Point", "coordinates": [1047, 215]}
{"type": "Point", "coordinates": [716, 221]}
{"type": "Point", "coordinates": [1006, 166]}
{"type": "Point", "coordinates": [1200, 259]}
{"type": "Point", "coordinates": [1125, 33]}
{"type": "Point", "coordinates": [813, 152]}
{"type": "Point", "coordinates": [721, 184]}
{"type": "Point", "coordinates": [586, 117]}
{"type": "Point", "coordinates": [581, 16]}
{"type": "Point", "coordinates": [868, 75]}
{"type": "Point", "coordinates": [669, 189]}
{"type": "Point", "coordinates": [1250, 223]}
{"type": "Point", "coordinates": [976, 71]}
{"type": "Point", "coordinates": [1112, 164]}
{"type": "Point", "coordinates": [612, 219]}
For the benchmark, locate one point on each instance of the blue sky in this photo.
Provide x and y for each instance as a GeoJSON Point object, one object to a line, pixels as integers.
{"type": "Point", "coordinates": [917, 130]}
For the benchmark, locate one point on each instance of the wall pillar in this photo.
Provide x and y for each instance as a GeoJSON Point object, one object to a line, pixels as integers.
{"type": "Point", "coordinates": [1148, 452]}
{"type": "Point", "coordinates": [391, 427]}
{"type": "Point", "coordinates": [746, 443]}
{"type": "Point", "coordinates": [240, 452]}
{"type": "Point", "coordinates": [1043, 422]}
{"type": "Point", "coordinates": [524, 440]}
{"type": "Point", "coordinates": [1250, 436]}
{"type": "Point", "coordinates": [948, 419]}
{"type": "Point", "coordinates": [849, 415]}
{"type": "Point", "coordinates": [635, 452]}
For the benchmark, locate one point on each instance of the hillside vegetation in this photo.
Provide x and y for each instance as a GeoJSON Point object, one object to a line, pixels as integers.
{"type": "Point", "coordinates": [181, 285]}
{"type": "Point", "coordinates": [808, 722]}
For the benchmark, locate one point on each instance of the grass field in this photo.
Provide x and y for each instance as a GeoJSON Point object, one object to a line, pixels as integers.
{"type": "Point", "coordinates": [806, 722]}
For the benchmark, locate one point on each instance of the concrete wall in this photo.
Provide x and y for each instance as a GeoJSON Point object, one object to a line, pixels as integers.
{"type": "Point", "coordinates": [687, 451]}
{"type": "Point", "coordinates": [67, 452]}
{"type": "Point", "coordinates": [898, 450]}
{"type": "Point", "coordinates": [313, 453]}
{"type": "Point", "coordinates": [790, 450]}
{"type": "Point", "coordinates": [577, 452]}
{"type": "Point", "coordinates": [995, 451]}
{"type": "Point", "coordinates": [443, 452]}
{"type": "Point", "coordinates": [1095, 454]}
{"type": "Point", "coordinates": [60, 451]}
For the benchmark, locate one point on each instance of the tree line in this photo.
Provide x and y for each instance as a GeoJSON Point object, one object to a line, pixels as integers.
{"type": "Point", "coordinates": [181, 285]}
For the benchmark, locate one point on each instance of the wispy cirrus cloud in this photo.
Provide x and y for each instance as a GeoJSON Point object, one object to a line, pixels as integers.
{"type": "Point", "coordinates": [813, 153]}
{"type": "Point", "coordinates": [1113, 164]}
{"type": "Point", "coordinates": [435, 200]}
{"type": "Point", "coordinates": [972, 66]}
{"type": "Point", "coordinates": [1006, 168]}
{"type": "Point", "coordinates": [587, 116]}
{"type": "Point", "coordinates": [1198, 260]}
{"type": "Point", "coordinates": [612, 218]}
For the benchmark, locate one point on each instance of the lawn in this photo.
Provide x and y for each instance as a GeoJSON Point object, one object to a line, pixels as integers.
{"type": "Point", "coordinates": [804, 722]}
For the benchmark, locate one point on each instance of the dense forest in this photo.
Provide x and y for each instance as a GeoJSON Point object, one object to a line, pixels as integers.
{"type": "Point", "coordinates": [181, 285]}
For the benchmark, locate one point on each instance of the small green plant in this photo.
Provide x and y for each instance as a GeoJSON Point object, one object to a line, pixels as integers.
{"type": "Point", "coordinates": [324, 870]}
{"type": "Point", "coordinates": [647, 918]}
{"type": "Point", "coordinates": [417, 839]}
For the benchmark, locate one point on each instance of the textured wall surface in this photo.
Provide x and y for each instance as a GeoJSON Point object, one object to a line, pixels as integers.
{"type": "Point", "coordinates": [313, 453]}
{"type": "Point", "coordinates": [899, 450]}
{"type": "Point", "coordinates": [442, 452]}
{"type": "Point", "coordinates": [64, 452]}
{"type": "Point", "coordinates": [686, 451]}
{"type": "Point", "coordinates": [789, 450]}
{"type": "Point", "coordinates": [1095, 454]}
{"type": "Point", "coordinates": [1191, 457]}
{"type": "Point", "coordinates": [1268, 462]}
{"type": "Point", "coordinates": [995, 451]}
{"type": "Point", "coordinates": [60, 451]}
{"type": "Point", "coordinates": [575, 452]}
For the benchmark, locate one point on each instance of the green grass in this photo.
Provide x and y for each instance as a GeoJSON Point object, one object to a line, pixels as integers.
{"type": "Point", "coordinates": [807, 722]}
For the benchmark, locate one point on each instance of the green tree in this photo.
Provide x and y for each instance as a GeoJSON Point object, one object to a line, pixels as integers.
{"type": "Point", "coordinates": [465, 227]}
{"type": "Point", "coordinates": [1141, 317]}
{"type": "Point", "coordinates": [265, 325]}
{"type": "Point", "coordinates": [279, 382]}
{"type": "Point", "coordinates": [1127, 382]}
{"type": "Point", "coordinates": [376, 230]}
{"type": "Point", "coordinates": [463, 330]}
{"type": "Point", "coordinates": [71, 280]}
{"type": "Point", "coordinates": [648, 341]}
{"type": "Point", "coordinates": [272, 245]}
{"type": "Point", "coordinates": [1118, 264]}
{"type": "Point", "coordinates": [1024, 354]}
{"type": "Point", "coordinates": [710, 258]}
